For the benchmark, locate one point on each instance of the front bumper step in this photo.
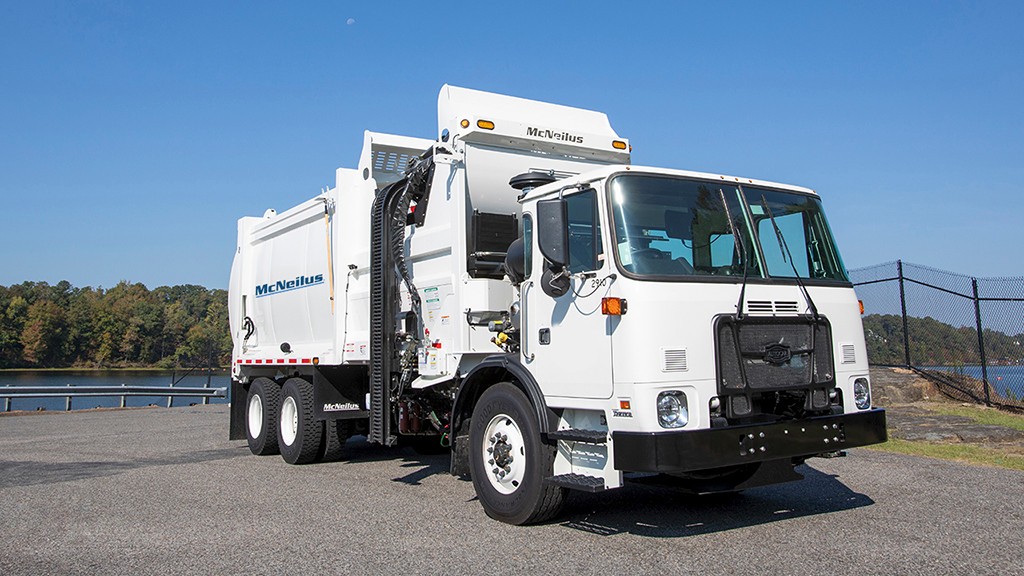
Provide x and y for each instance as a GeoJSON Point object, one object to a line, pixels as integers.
{"type": "Point", "coordinates": [685, 451]}
{"type": "Point", "coordinates": [578, 482]}
{"type": "Point", "coordinates": [579, 435]}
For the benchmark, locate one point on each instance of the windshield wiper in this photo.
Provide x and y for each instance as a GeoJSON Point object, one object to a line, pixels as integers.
{"type": "Point", "coordinates": [792, 264]}
{"type": "Point", "coordinates": [742, 247]}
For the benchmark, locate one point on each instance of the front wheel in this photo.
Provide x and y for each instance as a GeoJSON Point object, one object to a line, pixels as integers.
{"type": "Point", "coordinates": [508, 460]}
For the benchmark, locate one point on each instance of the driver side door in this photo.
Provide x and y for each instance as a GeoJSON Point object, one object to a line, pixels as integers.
{"type": "Point", "coordinates": [568, 338]}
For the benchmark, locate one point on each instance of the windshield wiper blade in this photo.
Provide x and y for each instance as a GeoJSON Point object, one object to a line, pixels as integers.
{"type": "Point", "coordinates": [739, 243]}
{"type": "Point", "coordinates": [792, 264]}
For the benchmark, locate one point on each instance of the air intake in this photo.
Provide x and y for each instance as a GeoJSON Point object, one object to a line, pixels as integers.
{"type": "Point", "coordinates": [788, 307]}
{"type": "Point", "coordinates": [849, 354]}
{"type": "Point", "coordinates": [673, 359]}
{"type": "Point", "coordinates": [779, 307]}
{"type": "Point", "coordinates": [530, 180]}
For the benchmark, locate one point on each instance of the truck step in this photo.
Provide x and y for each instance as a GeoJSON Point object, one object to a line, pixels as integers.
{"type": "Point", "coordinates": [580, 435]}
{"type": "Point", "coordinates": [578, 482]}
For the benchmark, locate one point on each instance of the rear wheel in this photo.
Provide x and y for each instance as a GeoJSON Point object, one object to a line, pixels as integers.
{"type": "Point", "coordinates": [508, 460]}
{"type": "Point", "coordinates": [299, 435]}
{"type": "Point", "coordinates": [336, 433]}
{"type": "Point", "coordinates": [261, 414]}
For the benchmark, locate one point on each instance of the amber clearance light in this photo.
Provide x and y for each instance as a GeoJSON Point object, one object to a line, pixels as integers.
{"type": "Point", "coordinates": [618, 144]}
{"type": "Point", "coordinates": [613, 306]}
{"type": "Point", "coordinates": [485, 124]}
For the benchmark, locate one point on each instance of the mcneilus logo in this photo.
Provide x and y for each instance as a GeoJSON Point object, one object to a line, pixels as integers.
{"type": "Point", "coordinates": [269, 289]}
{"type": "Point", "coordinates": [552, 135]}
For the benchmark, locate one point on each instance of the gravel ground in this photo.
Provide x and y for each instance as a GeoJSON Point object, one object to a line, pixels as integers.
{"type": "Point", "coordinates": [162, 491]}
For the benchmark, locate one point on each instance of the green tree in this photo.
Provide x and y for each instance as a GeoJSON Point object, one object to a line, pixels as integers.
{"type": "Point", "coordinates": [44, 334]}
{"type": "Point", "coordinates": [208, 343]}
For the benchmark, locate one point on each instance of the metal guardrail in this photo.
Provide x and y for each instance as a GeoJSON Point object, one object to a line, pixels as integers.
{"type": "Point", "coordinates": [10, 392]}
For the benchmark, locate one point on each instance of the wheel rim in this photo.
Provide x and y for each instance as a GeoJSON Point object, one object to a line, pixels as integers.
{"type": "Point", "coordinates": [504, 454]}
{"type": "Point", "coordinates": [289, 421]}
{"type": "Point", "coordinates": [255, 416]}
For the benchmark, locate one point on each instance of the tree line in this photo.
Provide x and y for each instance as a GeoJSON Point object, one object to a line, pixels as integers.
{"type": "Point", "coordinates": [129, 325]}
{"type": "Point", "coordinates": [935, 343]}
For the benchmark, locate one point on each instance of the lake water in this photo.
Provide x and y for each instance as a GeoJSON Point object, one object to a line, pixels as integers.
{"type": "Point", "coordinates": [1003, 379]}
{"type": "Point", "coordinates": [108, 378]}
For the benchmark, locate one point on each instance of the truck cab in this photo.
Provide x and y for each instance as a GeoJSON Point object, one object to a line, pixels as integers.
{"type": "Point", "coordinates": [706, 319]}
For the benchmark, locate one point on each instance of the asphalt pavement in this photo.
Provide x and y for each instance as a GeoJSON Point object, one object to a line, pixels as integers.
{"type": "Point", "coordinates": [162, 491]}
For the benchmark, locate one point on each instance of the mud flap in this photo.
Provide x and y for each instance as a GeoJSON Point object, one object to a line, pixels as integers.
{"type": "Point", "coordinates": [339, 393]}
{"type": "Point", "coordinates": [236, 425]}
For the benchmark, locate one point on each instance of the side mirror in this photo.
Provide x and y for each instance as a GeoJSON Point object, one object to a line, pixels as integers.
{"type": "Point", "coordinates": [552, 232]}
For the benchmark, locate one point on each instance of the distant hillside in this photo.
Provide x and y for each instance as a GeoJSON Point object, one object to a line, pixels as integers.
{"type": "Point", "coordinates": [936, 343]}
{"type": "Point", "coordinates": [124, 326]}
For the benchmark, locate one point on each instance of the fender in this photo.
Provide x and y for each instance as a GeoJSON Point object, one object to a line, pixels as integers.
{"type": "Point", "coordinates": [499, 368]}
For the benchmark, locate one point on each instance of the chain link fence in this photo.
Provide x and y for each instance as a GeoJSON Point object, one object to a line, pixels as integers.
{"type": "Point", "coordinates": [965, 334]}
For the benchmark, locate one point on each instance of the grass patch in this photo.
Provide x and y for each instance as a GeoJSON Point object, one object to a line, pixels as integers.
{"type": "Point", "coordinates": [967, 453]}
{"type": "Point", "coordinates": [981, 415]}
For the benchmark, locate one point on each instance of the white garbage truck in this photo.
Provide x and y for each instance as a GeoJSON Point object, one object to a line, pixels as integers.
{"type": "Point", "coordinates": [518, 294]}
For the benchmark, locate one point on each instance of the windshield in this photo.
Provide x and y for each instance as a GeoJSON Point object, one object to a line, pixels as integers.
{"type": "Point", "coordinates": [799, 226]}
{"type": "Point", "coordinates": [672, 227]}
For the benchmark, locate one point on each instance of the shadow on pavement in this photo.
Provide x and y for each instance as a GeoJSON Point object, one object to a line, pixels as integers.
{"type": "Point", "coordinates": [30, 472]}
{"type": "Point", "coordinates": [655, 511]}
{"type": "Point", "coordinates": [359, 451]}
{"type": "Point", "coordinates": [665, 513]}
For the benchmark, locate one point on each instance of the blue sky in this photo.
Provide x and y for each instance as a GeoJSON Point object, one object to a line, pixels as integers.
{"type": "Point", "coordinates": [134, 134]}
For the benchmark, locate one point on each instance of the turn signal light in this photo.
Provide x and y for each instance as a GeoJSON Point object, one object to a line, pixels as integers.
{"type": "Point", "coordinates": [618, 144]}
{"type": "Point", "coordinates": [485, 124]}
{"type": "Point", "coordinates": [861, 303]}
{"type": "Point", "coordinates": [613, 306]}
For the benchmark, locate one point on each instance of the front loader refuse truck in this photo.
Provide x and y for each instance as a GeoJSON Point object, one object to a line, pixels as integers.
{"type": "Point", "coordinates": [518, 294]}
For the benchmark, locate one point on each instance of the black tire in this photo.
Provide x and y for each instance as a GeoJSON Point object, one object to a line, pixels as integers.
{"type": "Point", "coordinates": [306, 434]}
{"type": "Point", "coordinates": [336, 433]}
{"type": "Point", "coordinates": [531, 499]}
{"type": "Point", "coordinates": [261, 428]}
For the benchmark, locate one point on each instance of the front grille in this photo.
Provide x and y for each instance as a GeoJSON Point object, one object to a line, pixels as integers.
{"type": "Point", "coordinates": [767, 354]}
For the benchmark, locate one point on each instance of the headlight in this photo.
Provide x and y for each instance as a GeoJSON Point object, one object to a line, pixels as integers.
{"type": "Point", "coordinates": [672, 411]}
{"type": "Point", "coordinates": [862, 393]}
